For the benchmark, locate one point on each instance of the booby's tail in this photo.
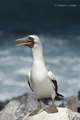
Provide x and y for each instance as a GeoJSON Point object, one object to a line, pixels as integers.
{"type": "Point", "coordinates": [59, 97]}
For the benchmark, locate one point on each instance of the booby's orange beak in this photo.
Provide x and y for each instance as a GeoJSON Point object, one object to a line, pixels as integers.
{"type": "Point", "coordinates": [27, 43]}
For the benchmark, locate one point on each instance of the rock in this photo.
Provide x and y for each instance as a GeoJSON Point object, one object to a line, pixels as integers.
{"type": "Point", "coordinates": [79, 95]}
{"type": "Point", "coordinates": [63, 114]}
{"type": "Point", "coordinates": [72, 103]}
{"type": "Point", "coordinates": [2, 104]}
{"type": "Point", "coordinates": [17, 108]}
{"type": "Point", "coordinates": [20, 107]}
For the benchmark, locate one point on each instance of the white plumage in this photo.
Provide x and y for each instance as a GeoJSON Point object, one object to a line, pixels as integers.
{"type": "Point", "coordinates": [39, 77]}
{"type": "Point", "coordinates": [41, 81]}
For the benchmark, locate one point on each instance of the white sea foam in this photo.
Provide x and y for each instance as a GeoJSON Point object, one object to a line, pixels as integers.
{"type": "Point", "coordinates": [73, 81]}
{"type": "Point", "coordinates": [67, 59]}
{"type": "Point", "coordinates": [15, 83]}
{"type": "Point", "coordinates": [1, 76]}
{"type": "Point", "coordinates": [22, 71]}
{"type": "Point", "coordinates": [8, 58]}
{"type": "Point", "coordinates": [4, 52]}
{"type": "Point", "coordinates": [27, 59]}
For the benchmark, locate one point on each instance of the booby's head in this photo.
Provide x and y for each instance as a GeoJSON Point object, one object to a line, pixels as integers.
{"type": "Point", "coordinates": [30, 41]}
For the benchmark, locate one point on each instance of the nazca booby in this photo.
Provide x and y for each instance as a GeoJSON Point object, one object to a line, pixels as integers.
{"type": "Point", "coordinates": [41, 81]}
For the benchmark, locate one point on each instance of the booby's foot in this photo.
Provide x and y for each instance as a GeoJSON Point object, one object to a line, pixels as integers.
{"type": "Point", "coordinates": [51, 109]}
{"type": "Point", "coordinates": [34, 112]}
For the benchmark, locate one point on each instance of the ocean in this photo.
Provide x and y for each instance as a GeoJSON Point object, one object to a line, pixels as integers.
{"type": "Point", "coordinates": [59, 32]}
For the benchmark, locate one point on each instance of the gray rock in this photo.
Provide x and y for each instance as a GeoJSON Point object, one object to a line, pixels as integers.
{"type": "Point", "coordinates": [20, 107]}
{"type": "Point", "coordinates": [17, 108]}
{"type": "Point", "coordinates": [72, 103]}
{"type": "Point", "coordinates": [79, 95]}
{"type": "Point", "coordinates": [3, 103]}
{"type": "Point", "coordinates": [62, 114]}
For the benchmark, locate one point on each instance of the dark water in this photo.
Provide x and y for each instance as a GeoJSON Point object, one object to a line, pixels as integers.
{"type": "Point", "coordinates": [38, 16]}
{"type": "Point", "coordinates": [59, 30]}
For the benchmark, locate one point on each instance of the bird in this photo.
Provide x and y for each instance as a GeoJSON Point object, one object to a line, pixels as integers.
{"type": "Point", "coordinates": [41, 81]}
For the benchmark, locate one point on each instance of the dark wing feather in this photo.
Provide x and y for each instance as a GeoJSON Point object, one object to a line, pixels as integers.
{"type": "Point", "coordinates": [28, 77]}
{"type": "Point", "coordinates": [55, 84]}
{"type": "Point", "coordinates": [29, 85]}
{"type": "Point", "coordinates": [58, 96]}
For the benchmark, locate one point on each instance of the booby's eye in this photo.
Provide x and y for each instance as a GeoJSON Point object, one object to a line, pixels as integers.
{"type": "Point", "coordinates": [30, 38]}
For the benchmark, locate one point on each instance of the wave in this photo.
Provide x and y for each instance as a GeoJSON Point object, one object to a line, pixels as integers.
{"type": "Point", "coordinates": [5, 52]}
{"type": "Point", "coordinates": [23, 71]}
{"type": "Point", "coordinates": [12, 58]}
{"type": "Point", "coordinates": [15, 83]}
{"type": "Point", "coordinates": [64, 60]}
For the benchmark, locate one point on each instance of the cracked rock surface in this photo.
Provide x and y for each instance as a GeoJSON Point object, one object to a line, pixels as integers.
{"type": "Point", "coordinates": [20, 107]}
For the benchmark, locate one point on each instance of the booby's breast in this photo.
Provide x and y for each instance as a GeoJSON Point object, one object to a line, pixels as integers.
{"type": "Point", "coordinates": [41, 84]}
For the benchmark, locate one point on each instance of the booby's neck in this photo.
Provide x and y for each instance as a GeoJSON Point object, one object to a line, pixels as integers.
{"type": "Point", "coordinates": [38, 60]}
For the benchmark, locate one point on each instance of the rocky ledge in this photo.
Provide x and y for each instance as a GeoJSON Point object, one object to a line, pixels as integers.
{"type": "Point", "coordinates": [19, 108]}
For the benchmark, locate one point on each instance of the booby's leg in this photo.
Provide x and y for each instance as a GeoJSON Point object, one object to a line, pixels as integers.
{"type": "Point", "coordinates": [51, 109]}
{"type": "Point", "coordinates": [37, 110]}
